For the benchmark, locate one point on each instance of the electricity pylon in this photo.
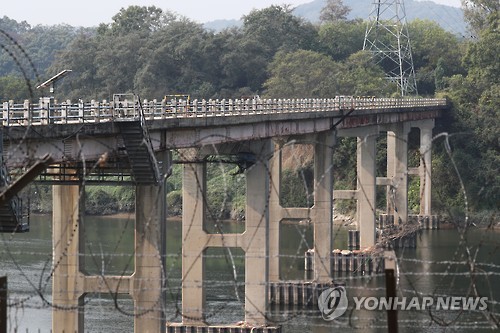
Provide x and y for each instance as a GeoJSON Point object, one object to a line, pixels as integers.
{"type": "Point", "coordinates": [388, 40]}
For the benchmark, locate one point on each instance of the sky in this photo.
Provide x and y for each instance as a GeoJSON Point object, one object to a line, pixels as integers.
{"type": "Point", "coordinates": [90, 13]}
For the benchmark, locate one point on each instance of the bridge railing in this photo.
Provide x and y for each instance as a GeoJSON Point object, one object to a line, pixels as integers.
{"type": "Point", "coordinates": [49, 111]}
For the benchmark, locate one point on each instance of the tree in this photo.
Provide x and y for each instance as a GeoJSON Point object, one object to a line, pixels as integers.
{"type": "Point", "coordinates": [137, 19]}
{"type": "Point", "coordinates": [334, 11]}
{"type": "Point", "coordinates": [78, 56]}
{"type": "Point", "coordinates": [340, 39]}
{"type": "Point", "coordinates": [309, 74]}
{"type": "Point", "coordinates": [277, 28]}
{"type": "Point", "coordinates": [181, 57]}
{"type": "Point", "coordinates": [13, 88]}
{"type": "Point", "coordinates": [249, 51]}
{"type": "Point", "coordinates": [362, 77]}
{"type": "Point", "coordinates": [476, 13]}
{"type": "Point", "coordinates": [430, 43]}
{"type": "Point", "coordinates": [302, 74]}
{"type": "Point", "coordinates": [474, 119]}
{"type": "Point", "coordinates": [117, 60]}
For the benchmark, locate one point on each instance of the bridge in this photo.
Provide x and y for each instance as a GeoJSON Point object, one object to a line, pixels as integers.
{"type": "Point", "coordinates": [127, 140]}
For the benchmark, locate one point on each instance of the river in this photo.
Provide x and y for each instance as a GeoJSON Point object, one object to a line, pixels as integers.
{"type": "Point", "coordinates": [438, 266]}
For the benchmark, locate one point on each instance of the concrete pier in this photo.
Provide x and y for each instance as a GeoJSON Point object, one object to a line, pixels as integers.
{"type": "Point", "coordinates": [366, 182]}
{"type": "Point", "coordinates": [366, 190]}
{"type": "Point", "coordinates": [70, 281]}
{"type": "Point", "coordinates": [397, 170]}
{"type": "Point", "coordinates": [254, 241]}
{"type": "Point", "coordinates": [68, 284]}
{"type": "Point", "coordinates": [321, 214]}
{"type": "Point", "coordinates": [425, 169]}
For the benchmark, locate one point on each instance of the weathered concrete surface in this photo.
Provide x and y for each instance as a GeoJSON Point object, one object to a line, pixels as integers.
{"type": "Point", "coordinates": [254, 241]}
{"type": "Point", "coordinates": [71, 283]}
{"type": "Point", "coordinates": [66, 142]}
{"type": "Point", "coordinates": [425, 173]}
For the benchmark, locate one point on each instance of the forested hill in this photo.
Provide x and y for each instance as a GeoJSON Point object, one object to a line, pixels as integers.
{"type": "Point", "coordinates": [276, 54]}
{"type": "Point", "coordinates": [449, 18]}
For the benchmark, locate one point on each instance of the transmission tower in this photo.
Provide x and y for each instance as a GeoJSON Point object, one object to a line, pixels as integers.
{"type": "Point", "coordinates": [388, 40]}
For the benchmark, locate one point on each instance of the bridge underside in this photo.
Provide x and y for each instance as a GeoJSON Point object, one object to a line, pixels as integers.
{"type": "Point", "coordinates": [90, 142]}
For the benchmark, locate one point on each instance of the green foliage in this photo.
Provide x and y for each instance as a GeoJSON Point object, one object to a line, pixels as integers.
{"type": "Point", "coordinates": [137, 19]}
{"type": "Point", "coordinates": [224, 188]}
{"type": "Point", "coordinates": [151, 52]}
{"type": "Point", "coordinates": [100, 201]}
{"type": "Point", "coordinates": [333, 37]}
{"type": "Point", "coordinates": [436, 54]}
{"type": "Point", "coordinates": [478, 12]}
{"type": "Point", "coordinates": [297, 187]}
{"type": "Point", "coordinates": [334, 10]}
{"type": "Point", "coordinates": [474, 122]}
{"type": "Point", "coordinates": [13, 88]}
{"type": "Point", "coordinates": [174, 203]}
{"type": "Point", "coordinates": [413, 195]}
{"type": "Point", "coordinates": [40, 43]}
{"type": "Point", "coordinates": [315, 75]}
{"type": "Point", "coordinates": [80, 57]}
{"type": "Point", "coordinates": [302, 73]}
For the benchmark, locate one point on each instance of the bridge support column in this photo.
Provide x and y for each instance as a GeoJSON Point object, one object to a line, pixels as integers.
{"type": "Point", "coordinates": [426, 127]}
{"type": "Point", "coordinates": [70, 281]}
{"type": "Point", "coordinates": [193, 243]}
{"type": "Point", "coordinates": [256, 238]}
{"type": "Point", "coordinates": [366, 154]}
{"type": "Point", "coordinates": [148, 276]}
{"type": "Point", "coordinates": [397, 170]}
{"type": "Point", "coordinates": [67, 295]}
{"type": "Point", "coordinates": [322, 211]}
{"type": "Point", "coordinates": [275, 215]}
{"type": "Point", "coordinates": [254, 241]}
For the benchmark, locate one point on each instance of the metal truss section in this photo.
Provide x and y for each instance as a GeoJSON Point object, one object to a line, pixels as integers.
{"type": "Point", "coordinates": [113, 173]}
{"type": "Point", "coordinates": [388, 40]}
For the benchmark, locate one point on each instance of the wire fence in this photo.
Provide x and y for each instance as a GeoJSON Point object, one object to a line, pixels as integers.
{"type": "Point", "coordinates": [460, 262]}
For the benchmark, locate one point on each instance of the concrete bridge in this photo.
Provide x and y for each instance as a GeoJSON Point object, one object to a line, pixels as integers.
{"type": "Point", "coordinates": [131, 140]}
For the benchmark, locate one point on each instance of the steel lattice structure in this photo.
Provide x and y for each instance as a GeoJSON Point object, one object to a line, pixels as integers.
{"type": "Point", "coordinates": [388, 40]}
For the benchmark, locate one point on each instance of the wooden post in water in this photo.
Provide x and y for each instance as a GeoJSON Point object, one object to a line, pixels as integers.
{"type": "Point", "coordinates": [390, 289]}
{"type": "Point", "coordinates": [3, 304]}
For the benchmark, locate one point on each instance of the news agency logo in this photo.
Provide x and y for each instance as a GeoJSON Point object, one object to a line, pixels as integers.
{"type": "Point", "coordinates": [441, 303]}
{"type": "Point", "coordinates": [333, 303]}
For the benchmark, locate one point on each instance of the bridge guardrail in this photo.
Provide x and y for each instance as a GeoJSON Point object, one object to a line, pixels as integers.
{"type": "Point", "coordinates": [48, 111]}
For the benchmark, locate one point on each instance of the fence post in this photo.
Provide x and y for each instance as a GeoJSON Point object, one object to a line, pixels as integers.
{"type": "Point", "coordinates": [390, 290]}
{"type": "Point", "coordinates": [3, 304]}
{"type": "Point", "coordinates": [6, 113]}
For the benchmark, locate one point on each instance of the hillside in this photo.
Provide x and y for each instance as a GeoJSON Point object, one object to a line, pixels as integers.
{"type": "Point", "coordinates": [449, 18]}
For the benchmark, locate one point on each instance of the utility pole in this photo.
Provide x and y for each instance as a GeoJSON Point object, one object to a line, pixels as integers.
{"type": "Point", "coordinates": [388, 40]}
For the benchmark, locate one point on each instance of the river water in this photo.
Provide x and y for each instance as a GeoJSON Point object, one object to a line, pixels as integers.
{"type": "Point", "coordinates": [440, 265]}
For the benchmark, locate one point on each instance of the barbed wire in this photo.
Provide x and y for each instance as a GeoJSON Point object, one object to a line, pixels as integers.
{"type": "Point", "coordinates": [461, 271]}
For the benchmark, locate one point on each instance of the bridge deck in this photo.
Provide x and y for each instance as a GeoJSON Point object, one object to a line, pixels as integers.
{"type": "Point", "coordinates": [68, 131]}
{"type": "Point", "coordinates": [46, 112]}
